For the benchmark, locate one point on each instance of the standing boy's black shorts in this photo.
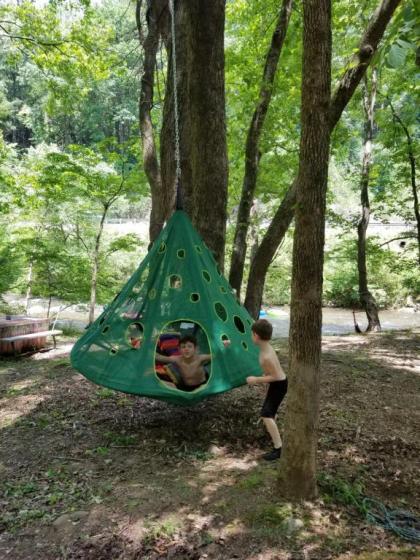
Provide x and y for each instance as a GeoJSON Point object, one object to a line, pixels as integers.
{"type": "Point", "coordinates": [275, 394]}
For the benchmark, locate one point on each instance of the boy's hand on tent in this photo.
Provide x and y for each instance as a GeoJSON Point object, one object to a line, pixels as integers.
{"type": "Point", "coordinates": [251, 380]}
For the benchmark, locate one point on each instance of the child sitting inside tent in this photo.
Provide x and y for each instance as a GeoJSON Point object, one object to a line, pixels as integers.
{"type": "Point", "coordinates": [189, 363]}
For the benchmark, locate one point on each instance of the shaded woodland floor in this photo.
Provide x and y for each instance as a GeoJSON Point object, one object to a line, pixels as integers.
{"type": "Point", "coordinates": [90, 474]}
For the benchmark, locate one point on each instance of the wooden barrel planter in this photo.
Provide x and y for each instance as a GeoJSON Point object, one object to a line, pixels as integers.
{"type": "Point", "coordinates": [17, 326]}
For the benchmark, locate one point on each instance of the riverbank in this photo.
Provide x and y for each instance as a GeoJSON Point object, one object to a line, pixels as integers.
{"type": "Point", "coordinates": [335, 321]}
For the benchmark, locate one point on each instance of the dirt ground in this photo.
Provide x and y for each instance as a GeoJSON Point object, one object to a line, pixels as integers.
{"type": "Point", "coordinates": [90, 474]}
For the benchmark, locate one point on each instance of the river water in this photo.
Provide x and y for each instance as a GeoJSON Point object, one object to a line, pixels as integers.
{"type": "Point", "coordinates": [335, 321]}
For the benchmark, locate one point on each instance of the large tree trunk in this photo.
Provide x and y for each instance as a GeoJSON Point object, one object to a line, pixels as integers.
{"type": "Point", "coordinates": [162, 198]}
{"type": "Point", "coordinates": [201, 94]}
{"type": "Point", "coordinates": [412, 160]}
{"type": "Point", "coordinates": [342, 95]}
{"type": "Point", "coordinates": [252, 155]}
{"type": "Point", "coordinates": [366, 298]}
{"type": "Point", "coordinates": [298, 462]}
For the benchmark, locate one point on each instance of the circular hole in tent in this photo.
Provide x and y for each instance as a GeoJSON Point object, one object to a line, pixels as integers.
{"type": "Point", "coordinates": [239, 324]}
{"type": "Point", "coordinates": [180, 253]}
{"type": "Point", "coordinates": [136, 290]}
{"type": "Point", "coordinates": [162, 247]}
{"type": "Point", "coordinates": [175, 281]}
{"type": "Point", "coordinates": [195, 297]}
{"type": "Point", "coordinates": [206, 276]}
{"type": "Point", "coordinates": [223, 290]}
{"type": "Point", "coordinates": [105, 329]}
{"type": "Point", "coordinates": [220, 311]}
{"type": "Point", "coordinates": [245, 345]}
{"type": "Point", "coordinates": [101, 320]}
{"type": "Point", "coordinates": [113, 351]}
{"type": "Point", "coordinates": [134, 335]}
{"type": "Point", "coordinates": [198, 249]}
{"type": "Point", "coordinates": [225, 340]}
{"type": "Point", "coordinates": [176, 344]}
{"type": "Point", "coordinates": [152, 293]}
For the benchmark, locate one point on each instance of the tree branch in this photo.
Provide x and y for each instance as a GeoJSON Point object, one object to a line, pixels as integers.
{"type": "Point", "coordinates": [340, 98]}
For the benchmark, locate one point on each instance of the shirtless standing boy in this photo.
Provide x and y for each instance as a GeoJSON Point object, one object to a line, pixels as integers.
{"type": "Point", "coordinates": [274, 375]}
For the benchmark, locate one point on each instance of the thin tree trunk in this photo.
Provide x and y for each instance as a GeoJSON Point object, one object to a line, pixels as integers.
{"type": "Point", "coordinates": [366, 298]}
{"type": "Point", "coordinates": [95, 266]}
{"type": "Point", "coordinates": [254, 232]}
{"type": "Point", "coordinates": [297, 474]}
{"type": "Point", "coordinates": [412, 161]}
{"type": "Point", "coordinates": [252, 155]}
{"type": "Point", "coordinates": [342, 95]}
{"type": "Point", "coordinates": [162, 205]}
{"type": "Point", "coordinates": [28, 287]}
{"type": "Point", "coordinates": [267, 249]}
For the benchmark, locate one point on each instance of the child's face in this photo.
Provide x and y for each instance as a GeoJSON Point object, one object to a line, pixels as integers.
{"type": "Point", "coordinates": [255, 337]}
{"type": "Point", "coordinates": [187, 349]}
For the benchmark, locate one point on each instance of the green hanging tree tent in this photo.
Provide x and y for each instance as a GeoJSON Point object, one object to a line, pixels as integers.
{"type": "Point", "coordinates": [178, 286]}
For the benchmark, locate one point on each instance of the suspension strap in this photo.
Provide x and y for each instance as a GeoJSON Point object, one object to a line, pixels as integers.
{"type": "Point", "coordinates": [179, 204]}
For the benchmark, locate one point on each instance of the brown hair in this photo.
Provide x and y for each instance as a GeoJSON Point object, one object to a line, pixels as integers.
{"type": "Point", "coordinates": [188, 338]}
{"type": "Point", "coordinates": [263, 328]}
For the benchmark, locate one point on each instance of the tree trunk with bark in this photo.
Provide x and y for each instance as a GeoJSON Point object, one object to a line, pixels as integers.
{"type": "Point", "coordinates": [201, 96]}
{"type": "Point", "coordinates": [367, 300]}
{"type": "Point", "coordinates": [412, 160]}
{"type": "Point", "coordinates": [342, 95]}
{"type": "Point", "coordinates": [252, 155]}
{"type": "Point", "coordinates": [267, 249]}
{"type": "Point", "coordinates": [29, 286]}
{"type": "Point", "coordinates": [297, 471]}
{"type": "Point", "coordinates": [162, 198]}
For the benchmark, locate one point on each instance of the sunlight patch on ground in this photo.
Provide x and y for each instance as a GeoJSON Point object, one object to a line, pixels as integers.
{"type": "Point", "coordinates": [24, 384]}
{"type": "Point", "coordinates": [61, 350]}
{"type": "Point", "coordinates": [11, 410]}
{"type": "Point", "coordinates": [229, 464]}
{"type": "Point", "coordinates": [406, 363]}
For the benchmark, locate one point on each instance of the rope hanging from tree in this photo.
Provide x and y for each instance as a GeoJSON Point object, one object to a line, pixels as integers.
{"type": "Point", "coordinates": [179, 205]}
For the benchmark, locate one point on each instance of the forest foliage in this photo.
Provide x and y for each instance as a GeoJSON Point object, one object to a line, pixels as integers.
{"type": "Point", "coordinates": [70, 155]}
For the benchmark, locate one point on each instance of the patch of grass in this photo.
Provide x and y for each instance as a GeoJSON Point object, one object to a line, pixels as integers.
{"type": "Point", "coordinates": [13, 392]}
{"type": "Point", "coordinates": [44, 496]}
{"type": "Point", "coordinates": [72, 332]}
{"type": "Point", "coordinates": [42, 421]}
{"type": "Point", "coordinates": [269, 517]}
{"type": "Point", "coordinates": [17, 490]}
{"type": "Point", "coordinates": [100, 450]}
{"type": "Point", "coordinates": [163, 530]}
{"type": "Point", "coordinates": [120, 439]}
{"type": "Point", "coordinates": [61, 362]}
{"type": "Point", "coordinates": [253, 480]}
{"type": "Point", "coordinates": [338, 490]}
{"type": "Point", "coordinates": [105, 393]}
{"type": "Point", "coordinates": [124, 401]}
